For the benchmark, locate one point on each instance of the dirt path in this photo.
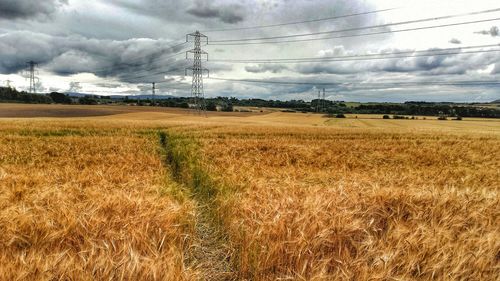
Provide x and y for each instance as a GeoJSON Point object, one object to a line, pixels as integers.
{"type": "Point", "coordinates": [210, 253]}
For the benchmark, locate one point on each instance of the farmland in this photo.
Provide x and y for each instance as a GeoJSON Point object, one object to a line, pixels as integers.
{"type": "Point", "coordinates": [123, 193]}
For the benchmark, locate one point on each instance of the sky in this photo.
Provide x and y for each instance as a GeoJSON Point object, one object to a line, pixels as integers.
{"type": "Point", "coordinates": [121, 46]}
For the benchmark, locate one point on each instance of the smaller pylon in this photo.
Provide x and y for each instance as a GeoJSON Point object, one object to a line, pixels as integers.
{"type": "Point", "coordinates": [154, 90]}
{"type": "Point", "coordinates": [31, 69]}
{"type": "Point", "coordinates": [318, 101]}
{"type": "Point", "coordinates": [323, 101]}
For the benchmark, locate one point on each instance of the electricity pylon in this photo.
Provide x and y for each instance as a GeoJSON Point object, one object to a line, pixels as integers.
{"type": "Point", "coordinates": [318, 101]}
{"type": "Point", "coordinates": [197, 85]}
{"type": "Point", "coordinates": [31, 70]}
{"type": "Point", "coordinates": [323, 101]}
{"type": "Point", "coordinates": [154, 90]}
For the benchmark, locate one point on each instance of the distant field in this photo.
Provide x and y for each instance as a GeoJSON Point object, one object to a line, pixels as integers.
{"type": "Point", "coordinates": [58, 110]}
{"type": "Point", "coordinates": [140, 193]}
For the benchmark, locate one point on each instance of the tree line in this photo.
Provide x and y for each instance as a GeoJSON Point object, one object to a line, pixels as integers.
{"type": "Point", "coordinates": [229, 104]}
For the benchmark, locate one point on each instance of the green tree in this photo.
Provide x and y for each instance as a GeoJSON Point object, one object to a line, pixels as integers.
{"type": "Point", "coordinates": [60, 98]}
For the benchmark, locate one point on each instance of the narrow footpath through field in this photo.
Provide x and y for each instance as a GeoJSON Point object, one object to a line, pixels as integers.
{"type": "Point", "coordinates": [210, 254]}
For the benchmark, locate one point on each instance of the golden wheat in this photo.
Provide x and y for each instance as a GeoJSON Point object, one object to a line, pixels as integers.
{"type": "Point", "coordinates": [299, 197]}
{"type": "Point", "coordinates": [319, 204]}
{"type": "Point", "coordinates": [78, 203]}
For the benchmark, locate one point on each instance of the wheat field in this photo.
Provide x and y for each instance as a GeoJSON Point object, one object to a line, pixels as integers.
{"type": "Point", "coordinates": [279, 196]}
{"type": "Point", "coordinates": [88, 203]}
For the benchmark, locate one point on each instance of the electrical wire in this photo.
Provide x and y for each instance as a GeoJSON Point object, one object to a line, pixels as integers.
{"type": "Point", "coordinates": [359, 28]}
{"type": "Point", "coordinates": [119, 66]}
{"type": "Point", "coordinates": [394, 55]}
{"type": "Point", "coordinates": [478, 82]}
{"type": "Point", "coordinates": [299, 22]}
{"type": "Point", "coordinates": [355, 35]}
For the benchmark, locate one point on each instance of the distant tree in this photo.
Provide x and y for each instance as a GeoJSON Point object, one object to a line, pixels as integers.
{"type": "Point", "coordinates": [87, 100]}
{"type": "Point", "coordinates": [386, 117]}
{"type": "Point", "coordinates": [60, 98]}
{"type": "Point", "coordinates": [340, 115]}
{"type": "Point", "coordinates": [211, 106]}
{"type": "Point", "coordinates": [12, 95]}
{"type": "Point", "coordinates": [227, 107]}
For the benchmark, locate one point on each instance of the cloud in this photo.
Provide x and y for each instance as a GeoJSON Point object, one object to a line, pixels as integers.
{"type": "Point", "coordinates": [274, 68]}
{"type": "Point", "coordinates": [25, 9]}
{"type": "Point", "coordinates": [232, 13]}
{"type": "Point", "coordinates": [494, 32]}
{"type": "Point", "coordinates": [496, 69]}
{"type": "Point", "coordinates": [455, 41]}
{"type": "Point", "coordinates": [125, 59]}
{"type": "Point", "coordinates": [421, 65]}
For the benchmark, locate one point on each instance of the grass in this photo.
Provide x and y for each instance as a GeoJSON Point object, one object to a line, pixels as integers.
{"type": "Point", "coordinates": [169, 196]}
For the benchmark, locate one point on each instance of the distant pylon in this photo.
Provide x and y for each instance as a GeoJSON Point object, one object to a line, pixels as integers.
{"type": "Point", "coordinates": [323, 101]}
{"type": "Point", "coordinates": [31, 69]}
{"type": "Point", "coordinates": [197, 85]}
{"type": "Point", "coordinates": [8, 83]}
{"type": "Point", "coordinates": [318, 101]}
{"type": "Point", "coordinates": [154, 90]}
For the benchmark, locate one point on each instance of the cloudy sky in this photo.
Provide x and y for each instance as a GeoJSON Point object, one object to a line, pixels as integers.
{"type": "Point", "coordinates": [359, 50]}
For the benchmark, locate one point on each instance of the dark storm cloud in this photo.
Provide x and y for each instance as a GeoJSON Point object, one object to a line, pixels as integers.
{"type": "Point", "coordinates": [126, 59]}
{"type": "Point", "coordinates": [494, 32]}
{"type": "Point", "coordinates": [24, 9]}
{"type": "Point", "coordinates": [232, 13]}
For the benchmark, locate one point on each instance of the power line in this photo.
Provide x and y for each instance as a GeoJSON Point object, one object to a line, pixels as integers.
{"type": "Point", "coordinates": [300, 22]}
{"type": "Point", "coordinates": [135, 92]}
{"type": "Point", "coordinates": [154, 73]}
{"type": "Point", "coordinates": [118, 67]}
{"type": "Point", "coordinates": [477, 82]}
{"type": "Point", "coordinates": [356, 58]}
{"type": "Point", "coordinates": [359, 55]}
{"type": "Point", "coordinates": [359, 28]}
{"type": "Point", "coordinates": [355, 35]}
{"type": "Point", "coordinates": [140, 58]}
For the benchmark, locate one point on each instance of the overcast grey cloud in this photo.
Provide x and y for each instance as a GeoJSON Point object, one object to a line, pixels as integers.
{"type": "Point", "coordinates": [12, 9]}
{"type": "Point", "coordinates": [75, 54]}
{"type": "Point", "coordinates": [126, 44]}
{"type": "Point", "coordinates": [232, 13]}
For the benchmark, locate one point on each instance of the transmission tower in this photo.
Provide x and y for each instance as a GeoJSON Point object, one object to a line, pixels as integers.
{"type": "Point", "coordinates": [318, 101]}
{"type": "Point", "coordinates": [7, 83]}
{"type": "Point", "coordinates": [154, 90]}
{"type": "Point", "coordinates": [197, 71]}
{"type": "Point", "coordinates": [323, 101]}
{"type": "Point", "coordinates": [31, 72]}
